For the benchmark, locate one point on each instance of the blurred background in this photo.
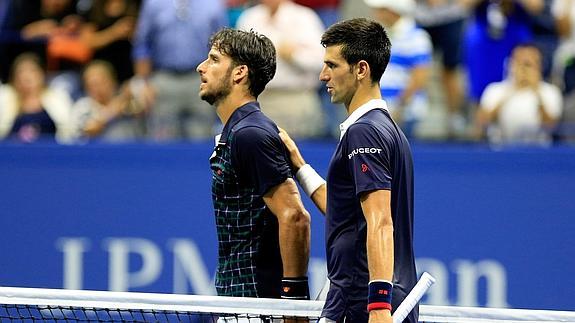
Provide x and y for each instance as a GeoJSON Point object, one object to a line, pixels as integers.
{"type": "Point", "coordinates": [104, 142]}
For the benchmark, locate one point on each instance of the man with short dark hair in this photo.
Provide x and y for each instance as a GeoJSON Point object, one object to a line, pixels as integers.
{"type": "Point", "coordinates": [263, 228]}
{"type": "Point", "coordinates": [368, 199]}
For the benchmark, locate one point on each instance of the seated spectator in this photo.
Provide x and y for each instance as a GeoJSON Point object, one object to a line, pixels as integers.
{"type": "Point", "coordinates": [108, 32]}
{"type": "Point", "coordinates": [106, 113]}
{"type": "Point", "coordinates": [52, 28]}
{"type": "Point", "coordinates": [29, 111]}
{"type": "Point", "coordinates": [28, 26]}
{"type": "Point", "coordinates": [522, 108]}
{"type": "Point", "coordinates": [404, 82]}
{"type": "Point", "coordinates": [291, 97]}
{"type": "Point", "coordinates": [493, 30]}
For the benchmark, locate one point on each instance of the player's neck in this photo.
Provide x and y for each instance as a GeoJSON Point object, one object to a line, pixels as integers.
{"type": "Point", "coordinates": [363, 95]}
{"type": "Point", "coordinates": [231, 103]}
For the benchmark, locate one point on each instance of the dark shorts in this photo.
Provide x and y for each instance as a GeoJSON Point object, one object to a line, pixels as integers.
{"type": "Point", "coordinates": [447, 39]}
{"type": "Point", "coordinates": [340, 309]}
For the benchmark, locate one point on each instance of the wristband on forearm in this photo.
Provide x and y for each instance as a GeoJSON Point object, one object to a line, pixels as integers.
{"type": "Point", "coordinates": [295, 288]}
{"type": "Point", "coordinates": [309, 179]}
{"type": "Point", "coordinates": [379, 296]}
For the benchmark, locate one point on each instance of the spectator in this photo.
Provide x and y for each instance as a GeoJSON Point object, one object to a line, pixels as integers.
{"type": "Point", "coordinates": [291, 98]}
{"type": "Point", "coordinates": [522, 108]}
{"type": "Point", "coordinates": [106, 113]}
{"type": "Point", "coordinates": [109, 32]}
{"type": "Point", "coordinates": [329, 13]}
{"type": "Point", "coordinates": [444, 20]}
{"type": "Point", "coordinates": [51, 29]}
{"type": "Point", "coordinates": [494, 29]}
{"type": "Point", "coordinates": [405, 80]}
{"type": "Point", "coordinates": [170, 42]}
{"type": "Point", "coordinates": [29, 111]}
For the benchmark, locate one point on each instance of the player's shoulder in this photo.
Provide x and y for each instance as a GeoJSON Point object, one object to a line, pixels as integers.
{"type": "Point", "coordinates": [374, 125]}
{"type": "Point", "coordinates": [255, 128]}
{"type": "Point", "coordinates": [371, 121]}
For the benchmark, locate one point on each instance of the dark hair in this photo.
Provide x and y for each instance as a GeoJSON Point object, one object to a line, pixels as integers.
{"type": "Point", "coordinates": [248, 48]}
{"type": "Point", "coordinates": [107, 66]}
{"type": "Point", "coordinates": [361, 39]}
{"type": "Point", "coordinates": [26, 57]}
{"type": "Point", "coordinates": [527, 44]}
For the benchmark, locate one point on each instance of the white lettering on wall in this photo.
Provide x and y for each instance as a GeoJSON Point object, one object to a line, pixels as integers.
{"type": "Point", "coordinates": [470, 281]}
{"type": "Point", "coordinates": [190, 267]}
{"type": "Point", "coordinates": [468, 276]}
{"type": "Point", "coordinates": [119, 250]}
{"type": "Point", "coordinates": [73, 250]}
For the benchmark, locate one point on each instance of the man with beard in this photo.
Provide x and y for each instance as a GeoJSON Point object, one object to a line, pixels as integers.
{"type": "Point", "coordinates": [263, 228]}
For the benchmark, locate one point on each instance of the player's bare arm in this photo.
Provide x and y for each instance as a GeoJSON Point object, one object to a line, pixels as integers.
{"type": "Point", "coordinates": [376, 207]}
{"type": "Point", "coordinates": [319, 195]}
{"type": "Point", "coordinates": [285, 203]}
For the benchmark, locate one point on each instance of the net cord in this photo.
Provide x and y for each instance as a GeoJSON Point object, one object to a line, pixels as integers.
{"type": "Point", "coordinates": [155, 301]}
{"type": "Point", "coordinates": [260, 306]}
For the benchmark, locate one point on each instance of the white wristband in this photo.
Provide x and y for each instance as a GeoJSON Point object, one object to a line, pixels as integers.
{"type": "Point", "coordinates": [309, 179]}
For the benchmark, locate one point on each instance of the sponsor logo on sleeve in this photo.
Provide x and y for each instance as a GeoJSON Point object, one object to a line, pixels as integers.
{"type": "Point", "coordinates": [365, 150]}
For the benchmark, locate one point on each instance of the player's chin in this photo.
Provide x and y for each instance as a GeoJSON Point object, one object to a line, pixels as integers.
{"type": "Point", "coordinates": [334, 98]}
{"type": "Point", "coordinates": [206, 96]}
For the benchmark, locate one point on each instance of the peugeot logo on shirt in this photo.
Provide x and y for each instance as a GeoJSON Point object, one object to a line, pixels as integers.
{"type": "Point", "coordinates": [365, 150]}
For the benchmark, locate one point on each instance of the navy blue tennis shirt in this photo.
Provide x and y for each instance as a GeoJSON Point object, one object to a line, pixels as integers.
{"type": "Point", "coordinates": [373, 154]}
{"type": "Point", "coordinates": [249, 159]}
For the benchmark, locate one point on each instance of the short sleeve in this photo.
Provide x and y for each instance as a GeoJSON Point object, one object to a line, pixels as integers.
{"type": "Point", "coordinates": [259, 158]}
{"type": "Point", "coordinates": [553, 100]}
{"type": "Point", "coordinates": [492, 96]}
{"type": "Point", "coordinates": [368, 156]}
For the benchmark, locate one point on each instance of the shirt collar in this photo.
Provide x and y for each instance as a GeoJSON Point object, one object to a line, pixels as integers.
{"type": "Point", "coordinates": [236, 116]}
{"type": "Point", "coordinates": [359, 112]}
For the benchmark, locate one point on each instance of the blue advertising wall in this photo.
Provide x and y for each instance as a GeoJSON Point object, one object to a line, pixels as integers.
{"type": "Point", "coordinates": [496, 228]}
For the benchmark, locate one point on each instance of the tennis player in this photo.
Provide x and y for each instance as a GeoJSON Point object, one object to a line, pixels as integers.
{"type": "Point", "coordinates": [263, 228]}
{"type": "Point", "coordinates": [369, 197]}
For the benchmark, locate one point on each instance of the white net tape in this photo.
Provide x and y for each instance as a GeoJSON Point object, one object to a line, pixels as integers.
{"type": "Point", "coordinates": [235, 305]}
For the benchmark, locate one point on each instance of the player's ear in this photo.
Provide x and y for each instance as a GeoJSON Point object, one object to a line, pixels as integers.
{"type": "Point", "coordinates": [362, 69]}
{"type": "Point", "coordinates": [240, 73]}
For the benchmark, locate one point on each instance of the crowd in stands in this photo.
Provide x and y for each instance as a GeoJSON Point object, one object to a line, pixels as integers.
{"type": "Point", "coordinates": [76, 71]}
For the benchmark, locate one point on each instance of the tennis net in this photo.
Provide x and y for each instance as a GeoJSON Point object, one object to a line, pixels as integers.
{"type": "Point", "coordinates": [55, 305]}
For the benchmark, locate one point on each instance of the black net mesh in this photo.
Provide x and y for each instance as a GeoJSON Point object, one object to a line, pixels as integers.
{"type": "Point", "coordinates": [32, 313]}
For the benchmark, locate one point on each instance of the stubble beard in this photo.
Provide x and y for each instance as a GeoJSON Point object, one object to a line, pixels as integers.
{"type": "Point", "coordinates": [219, 94]}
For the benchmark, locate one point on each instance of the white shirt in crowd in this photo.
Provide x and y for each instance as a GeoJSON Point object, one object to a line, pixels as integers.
{"type": "Point", "coordinates": [519, 120]}
{"type": "Point", "coordinates": [291, 24]}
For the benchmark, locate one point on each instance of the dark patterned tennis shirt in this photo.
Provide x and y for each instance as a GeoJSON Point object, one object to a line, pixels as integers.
{"type": "Point", "coordinates": [248, 160]}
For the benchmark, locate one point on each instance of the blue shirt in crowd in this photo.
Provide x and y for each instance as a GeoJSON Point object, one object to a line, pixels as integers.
{"type": "Point", "coordinates": [175, 34]}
